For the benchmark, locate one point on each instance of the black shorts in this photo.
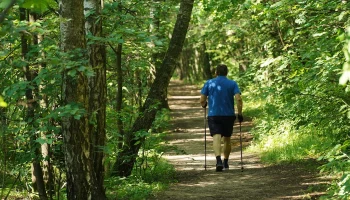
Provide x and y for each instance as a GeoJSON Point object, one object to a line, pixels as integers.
{"type": "Point", "coordinates": [221, 125]}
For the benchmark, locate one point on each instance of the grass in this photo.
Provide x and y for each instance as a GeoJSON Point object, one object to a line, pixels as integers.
{"type": "Point", "coordinates": [290, 145]}
{"type": "Point", "coordinates": [278, 139]}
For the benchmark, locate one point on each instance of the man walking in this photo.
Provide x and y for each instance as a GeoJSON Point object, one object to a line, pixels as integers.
{"type": "Point", "coordinates": [221, 93]}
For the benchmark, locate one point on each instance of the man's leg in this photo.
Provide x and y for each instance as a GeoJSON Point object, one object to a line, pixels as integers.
{"type": "Point", "coordinates": [227, 147]}
{"type": "Point", "coordinates": [217, 144]}
{"type": "Point", "coordinates": [217, 151]}
{"type": "Point", "coordinates": [227, 151]}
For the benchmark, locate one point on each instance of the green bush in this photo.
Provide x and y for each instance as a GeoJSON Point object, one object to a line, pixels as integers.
{"type": "Point", "coordinates": [138, 187]}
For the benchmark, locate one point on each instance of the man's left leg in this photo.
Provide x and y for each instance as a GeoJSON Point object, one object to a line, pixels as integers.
{"type": "Point", "coordinates": [227, 151]}
{"type": "Point", "coordinates": [217, 151]}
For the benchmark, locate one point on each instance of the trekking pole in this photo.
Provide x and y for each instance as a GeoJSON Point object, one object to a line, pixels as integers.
{"type": "Point", "coordinates": [240, 133]}
{"type": "Point", "coordinates": [205, 140]}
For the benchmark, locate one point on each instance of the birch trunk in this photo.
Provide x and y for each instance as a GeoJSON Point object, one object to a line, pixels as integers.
{"type": "Point", "coordinates": [76, 134]}
{"type": "Point", "coordinates": [98, 96]}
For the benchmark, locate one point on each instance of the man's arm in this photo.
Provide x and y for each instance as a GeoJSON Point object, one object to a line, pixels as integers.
{"type": "Point", "coordinates": [203, 101]}
{"type": "Point", "coordinates": [239, 102]}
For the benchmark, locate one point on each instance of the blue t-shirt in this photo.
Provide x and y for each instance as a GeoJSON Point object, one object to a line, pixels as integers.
{"type": "Point", "coordinates": [220, 92]}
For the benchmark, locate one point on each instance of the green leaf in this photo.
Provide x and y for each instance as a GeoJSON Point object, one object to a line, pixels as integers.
{"type": "Point", "coordinates": [278, 4]}
{"type": "Point", "coordinates": [37, 6]}
{"type": "Point", "coordinates": [44, 141]}
{"type": "Point", "coordinates": [345, 77]}
{"type": "Point", "coordinates": [81, 68]}
{"type": "Point", "coordinates": [72, 72]}
{"type": "Point", "coordinates": [158, 42]}
{"type": "Point", "coordinates": [5, 3]}
{"type": "Point", "coordinates": [2, 102]}
{"type": "Point", "coordinates": [121, 41]}
{"type": "Point", "coordinates": [77, 117]}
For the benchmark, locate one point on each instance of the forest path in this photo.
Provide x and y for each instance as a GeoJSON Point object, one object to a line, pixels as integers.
{"type": "Point", "coordinates": [256, 182]}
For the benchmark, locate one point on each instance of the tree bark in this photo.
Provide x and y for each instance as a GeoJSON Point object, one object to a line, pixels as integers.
{"type": "Point", "coordinates": [127, 156]}
{"type": "Point", "coordinates": [207, 74]}
{"type": "Point", "coordinates": [97, 97]}
{"type": "Point", "coordinates": [76, 133]}
{"type": "Point", "coordinates": [119, 97]}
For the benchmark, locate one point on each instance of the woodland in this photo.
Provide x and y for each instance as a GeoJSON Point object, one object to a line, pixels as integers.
{"type": "Point", "coordinates": [83, 88]}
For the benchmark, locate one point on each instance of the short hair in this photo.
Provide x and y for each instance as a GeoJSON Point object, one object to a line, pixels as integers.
{"type": "Point", "coordinates": [221, 70]}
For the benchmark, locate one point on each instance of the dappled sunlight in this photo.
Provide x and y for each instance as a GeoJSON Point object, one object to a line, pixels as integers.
{"type": "Point", "coordinates": [184, 97]}
{"type": "Point", "coordinates": [184, 140]}
{"type": "Point", "coordinates": [200, 184]}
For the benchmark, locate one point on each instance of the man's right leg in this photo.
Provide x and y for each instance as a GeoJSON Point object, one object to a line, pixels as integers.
{"type": "Point", "coordinates": [217, 151]}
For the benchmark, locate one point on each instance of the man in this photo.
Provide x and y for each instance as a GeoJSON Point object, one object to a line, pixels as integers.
{"type": "Point", "coordinates": [221, 115]}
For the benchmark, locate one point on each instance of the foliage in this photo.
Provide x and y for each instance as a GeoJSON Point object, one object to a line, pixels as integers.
{"type": "Point", "coordinates": [135, 188]}
{"type": "Point", "coordinates": [338, 157]}
{"type": "Point", "coordinates": [338, 165]}
{"type": "Point", "coordinates": [295, 53]}
{"type": "Point", "coordinates": [2, 102]}
{"type": "Point", "coordinates": [151, 173]}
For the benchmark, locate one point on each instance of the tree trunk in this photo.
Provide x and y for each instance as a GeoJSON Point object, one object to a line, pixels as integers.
{"type": "Point", "coordinates": [127, 156]}
{"type": "Point", "coordinates": [119, 97]}
{"type": "Point", "coordinates": [47, 167]}
{"type": "Point", "coordinates": [207, 74]}
{"type": "Point", "coordinates": [32, 107]}
{"type": "Point", "coordinates": [185, 64]}
{"type": "Point", "coordinates": [76, 133]}
{"type": "Point", "coordinates": [98, 98]}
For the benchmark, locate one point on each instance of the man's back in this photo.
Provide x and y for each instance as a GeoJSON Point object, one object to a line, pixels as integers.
{"type": "Point", "coordinates": [220, 91]}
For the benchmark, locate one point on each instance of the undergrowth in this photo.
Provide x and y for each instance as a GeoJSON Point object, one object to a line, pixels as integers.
{"type": "Point", "coordinates": [138, 187]}
{"type": "Point", "coordinates": [281, 138]}
{"type": "Point", "coordinates": [151, 172]}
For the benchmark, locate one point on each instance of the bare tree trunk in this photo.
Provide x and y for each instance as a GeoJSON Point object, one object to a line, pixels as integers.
{"type": "Point", "coordinates": [75, 129]}
{"type": "Point", "coordinates": [127, 156]}
{"type": "Point", "coordinates": [47, 168]}
{"type": "Point", "coordinates": [119, 98]}
{"type": "Point", "coordinates": [97, 98]}
{"type": "Point", "coordinates": [185, 64]}
{"type": "Point", "coordinates": [207, 74]}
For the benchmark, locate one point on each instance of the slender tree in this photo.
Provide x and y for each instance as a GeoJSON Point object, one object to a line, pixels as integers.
{"type": "Point", "coordinates": [32, 107]}
{"type": "Point", "coordinates": [207, 74]}
{"type": "Point", "coordinates": [97, 95]}
{"type": "Point", "coordinates": [127, 156]}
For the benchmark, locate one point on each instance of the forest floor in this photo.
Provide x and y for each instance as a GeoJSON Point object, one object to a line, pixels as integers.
{"type": "Point", "coordinates": [256, 182]}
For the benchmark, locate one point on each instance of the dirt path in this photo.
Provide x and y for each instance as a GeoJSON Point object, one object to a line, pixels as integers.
{"type": "Point", "coordinates": [254, 183]}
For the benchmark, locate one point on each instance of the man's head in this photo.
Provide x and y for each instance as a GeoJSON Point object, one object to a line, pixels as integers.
{"type": "Point", "coordinates": [221, 70]}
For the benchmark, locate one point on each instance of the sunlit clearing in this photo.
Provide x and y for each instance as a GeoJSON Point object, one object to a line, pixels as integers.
{"type": "Point", "coordinates": [284, 143]}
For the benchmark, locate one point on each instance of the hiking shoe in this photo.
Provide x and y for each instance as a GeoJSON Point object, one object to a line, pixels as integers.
{"type": "Point", "coordinates": [226, 167]}
{"type": "Point", "coordinates": [219, 166]}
